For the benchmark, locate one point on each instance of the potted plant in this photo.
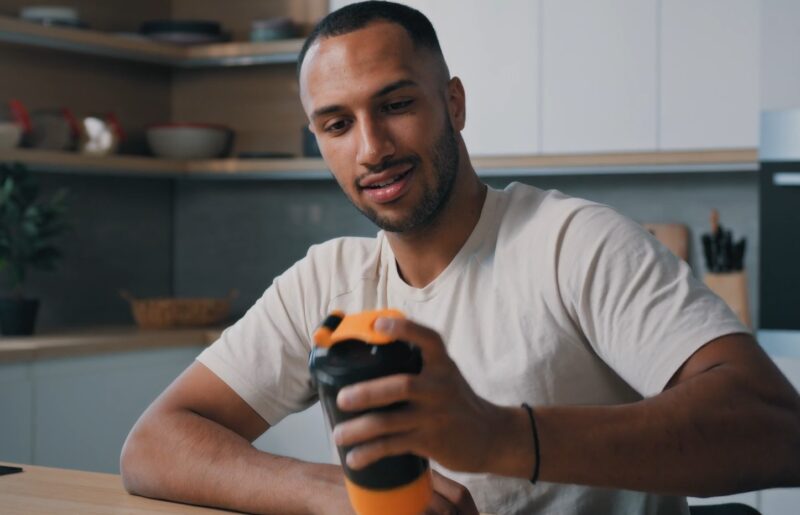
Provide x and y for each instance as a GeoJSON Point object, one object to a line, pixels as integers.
{"type": "Point", "coordinates": [29, 230]}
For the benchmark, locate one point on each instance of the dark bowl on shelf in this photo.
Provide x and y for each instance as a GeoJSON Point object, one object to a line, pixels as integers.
{"type": "Point", "coordinates": [184, 31]}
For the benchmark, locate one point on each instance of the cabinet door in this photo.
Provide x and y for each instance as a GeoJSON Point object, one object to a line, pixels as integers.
{"type": "Point", "coordinates": [84, 407]}
{"type": "Point", "coordinates": [780, 60]}
{"type": "Point", "coordinates": [599, 75]}
{"type": "Point", "coordinates": [493, 48]}
{"type": "Point", "coordinates": [783, 501]}
{"type": "Point", "coordinates": [709, 74]}
{"type": "Point", "coordinates": [16, 418]}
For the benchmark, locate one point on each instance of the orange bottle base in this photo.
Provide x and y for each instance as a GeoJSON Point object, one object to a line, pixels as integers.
{"type": "Point", "coordinates": [409, 499]}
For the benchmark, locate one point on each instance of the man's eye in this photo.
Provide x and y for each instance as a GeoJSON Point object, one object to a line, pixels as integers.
{"type": "Point", "coordinates": [336, 126]}
{"type": "Point", "coordinates": [398, 106]}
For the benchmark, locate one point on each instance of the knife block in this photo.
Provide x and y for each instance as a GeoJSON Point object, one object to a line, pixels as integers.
{"type": "Point", "coordinates": [732, 288]}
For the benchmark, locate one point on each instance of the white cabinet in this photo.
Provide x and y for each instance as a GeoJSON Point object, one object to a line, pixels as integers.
{"type": "Point", "coordinates": [582, 76]}
{"type": "Point", "coordinates": [85, 406]}
{"type": "Point", "coordinates": [598, 75]}
{"type": "Point", "coordinates": [16, 420]}
{"type": "Point", "coordinates": [783, 501]}
{"type": "Point", "coordinates": [493, 48]}
{"type": "Point", "coordinates": [780, 58]}
{"type": "Point", "coordinates": [76, 412]}
{"type": "Point", "coordinates": [709, 74]}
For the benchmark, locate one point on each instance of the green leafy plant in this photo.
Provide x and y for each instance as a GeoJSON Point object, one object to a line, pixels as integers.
{"type": "Point", "coordinates": [30, 226]}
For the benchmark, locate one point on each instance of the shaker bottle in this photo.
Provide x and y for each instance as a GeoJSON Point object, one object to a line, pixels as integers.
{"type": "Point", "coordinates": [349, 350]}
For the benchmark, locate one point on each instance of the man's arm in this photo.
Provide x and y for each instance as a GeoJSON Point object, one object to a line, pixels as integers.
{"type": "Point", "coordinates": [193, 445]}
{"type": "Point", "coordinates": [727, 422]}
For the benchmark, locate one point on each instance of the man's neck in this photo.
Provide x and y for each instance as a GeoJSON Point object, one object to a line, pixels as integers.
{"type": "Point", "coordinates": [423, 254]}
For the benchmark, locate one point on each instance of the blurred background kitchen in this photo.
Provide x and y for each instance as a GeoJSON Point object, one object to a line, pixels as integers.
{"type": "Point", "coordinates": [174, 126]}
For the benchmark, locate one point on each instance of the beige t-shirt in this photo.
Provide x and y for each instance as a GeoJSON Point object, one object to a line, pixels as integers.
{"type": "Point", "coordinates": [552, 300]}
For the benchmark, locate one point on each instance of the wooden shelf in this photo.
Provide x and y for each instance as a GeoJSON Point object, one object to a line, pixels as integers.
{"type": "Point", "coordinates": [140, 49]}
{"type": "Point", "coordinates": [725, 160]}
{"type": "Point", "coordinates": [66, 162]}
{"type": "Point", "coordinates": [303, 169]}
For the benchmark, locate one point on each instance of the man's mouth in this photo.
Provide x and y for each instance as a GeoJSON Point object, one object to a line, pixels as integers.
{"type": "Point", "coordinates": [394, 179]}
{"type": "Point", "coordinates": [388, 185]}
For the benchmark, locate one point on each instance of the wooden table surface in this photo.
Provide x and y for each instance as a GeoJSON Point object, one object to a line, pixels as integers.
{"type": "Point", "coordinates": [51, 491]}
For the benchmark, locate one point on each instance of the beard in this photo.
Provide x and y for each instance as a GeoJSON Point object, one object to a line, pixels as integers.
{"type": "Point", "coordinates": [444, 159]}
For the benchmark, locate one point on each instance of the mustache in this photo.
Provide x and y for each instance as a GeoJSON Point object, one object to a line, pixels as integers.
{"type": "Point", "coordinates": [385, 165]}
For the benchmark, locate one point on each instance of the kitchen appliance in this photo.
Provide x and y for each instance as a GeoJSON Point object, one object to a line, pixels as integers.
{"type": "Point", "coordinates": [779, 297]}
{"type": "Point", "coordinates": [10, 135]}
{"type": "Point", "coordinates": [54, 129]}
{"type": "Point", "coordinates": [348, 350]}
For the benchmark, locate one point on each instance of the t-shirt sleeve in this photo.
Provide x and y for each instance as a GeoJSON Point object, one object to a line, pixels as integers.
{"type": "Point", "coordinates": [638, 305]}
{"type": "Point", "coordinates": [263, 357]}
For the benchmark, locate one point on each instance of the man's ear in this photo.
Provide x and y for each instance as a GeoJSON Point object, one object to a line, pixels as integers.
{"type": "Point", "coordinates": [456, 104]}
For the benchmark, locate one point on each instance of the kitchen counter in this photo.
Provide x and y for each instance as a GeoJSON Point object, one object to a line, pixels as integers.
{"type": "Point", "coordinates": [52, 491]}
{"type": "Point", "coordinates": [99, 340]}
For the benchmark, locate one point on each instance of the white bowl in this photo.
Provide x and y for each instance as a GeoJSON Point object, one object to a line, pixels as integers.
{"type": "Point", "coordinates": [10, 134]}
{"type": "Point", "coordinates": [50, 14]}
{"type": "Point", "coordinates": [188, 141]}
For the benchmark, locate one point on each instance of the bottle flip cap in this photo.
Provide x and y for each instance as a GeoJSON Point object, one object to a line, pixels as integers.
{"type": "Point", "coordinates": [359, 326]}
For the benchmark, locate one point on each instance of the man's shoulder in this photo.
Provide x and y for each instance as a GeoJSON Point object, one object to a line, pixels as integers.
{"type": "Point", "coordinates": [527, 196]}
{"type": "Point", "coordinates": [348, 250]}
{"type": "Point", "coordinates": [343, 259]}
{"type": "Point", "coordinates": [543, 210]}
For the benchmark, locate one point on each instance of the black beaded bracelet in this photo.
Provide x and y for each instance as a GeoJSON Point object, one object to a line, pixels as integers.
{"type": "Point", "coordinates": [535, 476]}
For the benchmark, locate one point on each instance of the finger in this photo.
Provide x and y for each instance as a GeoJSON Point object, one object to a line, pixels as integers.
{"type": "Point", "coordinates": [440, 506]}
{"type": "Point", "coordinates": [455, 493]}
{"type": "Point", "coordinates": [373, 425]}
{"type": "Point", "coordinates": [370, 452]}
{"type": "Point", "coordinates": [377, 393]}
{"type": "Point", "coordinates": [428, 340]}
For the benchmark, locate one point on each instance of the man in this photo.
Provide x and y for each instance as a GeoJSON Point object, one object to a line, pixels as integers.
{"type": "Point", "coordinates": [640, 380]}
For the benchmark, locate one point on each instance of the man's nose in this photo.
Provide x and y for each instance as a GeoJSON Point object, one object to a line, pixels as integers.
{"type": "Point", "coordinates": [375, 144]}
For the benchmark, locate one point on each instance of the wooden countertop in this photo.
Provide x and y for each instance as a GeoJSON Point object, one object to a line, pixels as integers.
{"type": "Point", "coordinates": [52, 491]}
{"type": "Point", "coordinates": [99, 340]}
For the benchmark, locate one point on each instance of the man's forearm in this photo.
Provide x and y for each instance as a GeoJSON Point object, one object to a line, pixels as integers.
{"type": "Point", "coordinates": [703, 437]}
{"type": "Point", "coordinates": [184, 457]}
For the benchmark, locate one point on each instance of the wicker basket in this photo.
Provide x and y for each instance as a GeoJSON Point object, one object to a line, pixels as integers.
{"type": "Point", "coordinates": [165, 313]}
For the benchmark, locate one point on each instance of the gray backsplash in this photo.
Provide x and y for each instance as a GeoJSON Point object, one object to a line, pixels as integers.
{"type": "Point", "coordinates": [193, 237]}
{"type": "Point", "coordinates": [239, 235]}
{"type": "Point", "coordinates": [121, 238]}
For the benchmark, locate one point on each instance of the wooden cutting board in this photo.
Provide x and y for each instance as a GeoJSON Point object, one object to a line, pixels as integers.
{"type": "Point", "coordinates": [674, 236]}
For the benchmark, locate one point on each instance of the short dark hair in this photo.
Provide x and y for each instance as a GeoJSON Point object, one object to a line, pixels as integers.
{"type": "Point", "coordinates": [357, 16]}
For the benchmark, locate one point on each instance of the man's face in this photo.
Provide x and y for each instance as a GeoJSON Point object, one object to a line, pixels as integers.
{"type": "Point", "coordinates": [379, 109]}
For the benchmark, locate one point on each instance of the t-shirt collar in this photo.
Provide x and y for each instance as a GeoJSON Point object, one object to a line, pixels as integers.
{"type": "Point", "coordinates": [398, 287]}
